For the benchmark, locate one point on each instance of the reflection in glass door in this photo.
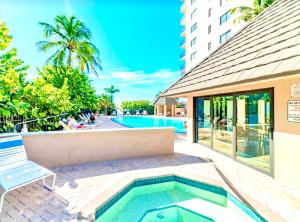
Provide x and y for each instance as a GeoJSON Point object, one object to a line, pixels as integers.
{"type": "Point", "coordinates": [203, 121]}
{"type": "Point", "coordinates": [223, 124]}
{"type": "Point", "coordinates": [254, 129]}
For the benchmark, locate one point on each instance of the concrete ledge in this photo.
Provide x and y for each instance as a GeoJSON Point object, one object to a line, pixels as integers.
{"type": "Point", "coordinates": [52, 149]}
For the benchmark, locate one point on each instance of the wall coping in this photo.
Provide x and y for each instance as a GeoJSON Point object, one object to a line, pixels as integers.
{"type": "Point", "coordinates": [94, 131]}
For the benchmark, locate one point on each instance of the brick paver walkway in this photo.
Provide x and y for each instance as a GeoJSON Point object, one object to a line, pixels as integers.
{"type": "Point", "coordinates": [81, 186]}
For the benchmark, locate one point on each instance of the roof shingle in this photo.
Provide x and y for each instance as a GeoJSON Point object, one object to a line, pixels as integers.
{"type": "Point", "coordinates": [165, 101]}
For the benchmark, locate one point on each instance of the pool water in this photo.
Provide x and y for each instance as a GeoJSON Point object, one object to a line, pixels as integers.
{"type": "Point", "coordinates": [174, 200]}
{"type": "Point", "coordinates": [175, 214]}
{"type": "Point", "coordinates": [146, 122]}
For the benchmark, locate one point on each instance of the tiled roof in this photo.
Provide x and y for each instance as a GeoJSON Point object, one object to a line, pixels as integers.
{"type": "Point", "coordinates": [268, 46]}
{"type": "Point", "coordinates": [164, 101]}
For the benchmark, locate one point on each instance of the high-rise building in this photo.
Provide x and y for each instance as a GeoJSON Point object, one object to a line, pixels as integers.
{"type": "Point", "coordinates": [206, 25]}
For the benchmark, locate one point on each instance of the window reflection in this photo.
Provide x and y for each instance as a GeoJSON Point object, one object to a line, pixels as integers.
{"type": "Point", "coordinates": [215, 117]}
{"type": "Point", "coordinates": [203, 121]}
{"type": "Point", "coordinates": [222, 124]}
{"type": "Point", "coordinates": [253, 129]}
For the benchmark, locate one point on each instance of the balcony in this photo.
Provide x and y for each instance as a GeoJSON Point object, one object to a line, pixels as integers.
{"type": "Point", "coordinates": [183, 21]}
{"type": "Point", "coordinates": [182, 56]}
{"type": "Point", "coordinates": [182, 44]}
{"type": "Point", "coordinates": [182, 69]}
{"type": "Point", "coordinates": [183, 8]}
{"type": "Point", "coordinates": [183, 33]}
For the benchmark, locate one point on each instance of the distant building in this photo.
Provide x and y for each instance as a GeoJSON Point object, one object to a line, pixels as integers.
{"type": "Point", "coordinates": [169, 107]}
{"type": "Point", "coordinates": [206, 25]}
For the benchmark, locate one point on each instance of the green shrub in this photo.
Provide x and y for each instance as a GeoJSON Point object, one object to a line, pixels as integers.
{"type": "Point", "coordinates": [140, 105]}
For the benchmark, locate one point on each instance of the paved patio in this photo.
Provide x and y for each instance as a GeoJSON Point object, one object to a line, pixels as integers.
{"type": "Point", "coordinates": [83, 187]}
{"type": "Point", "coordinates": [107, 123]}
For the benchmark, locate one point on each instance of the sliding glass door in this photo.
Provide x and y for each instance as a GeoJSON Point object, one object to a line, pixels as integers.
{"type": "Point", "coordinates": [203, 117]}
{"type": "Point", "coordinates": [254, 129]}
{"type": "Point", "coordinates": [239, 125]}
{"type": "Point", "coordinates": [223, 124]}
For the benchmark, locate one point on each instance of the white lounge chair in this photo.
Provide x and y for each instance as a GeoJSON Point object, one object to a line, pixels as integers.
{"type": "Point", "coordinates": [65, 126]}
{"type": "Point", "coordinates": [84, 119]}
{"type": "Point", "coordinates": [16, 170]}
{"type": "Point", "coordinates": [145, 113]}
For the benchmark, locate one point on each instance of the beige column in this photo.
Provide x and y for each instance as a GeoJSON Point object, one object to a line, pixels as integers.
{"type": "Point", "coordinates": [165, 110]}
{"type": "Point", "coordinates": [173, 110]}
{"type": "Point", "coordinates": [155, 110]}
{"type": "Point", "coordinates": [158, 110]}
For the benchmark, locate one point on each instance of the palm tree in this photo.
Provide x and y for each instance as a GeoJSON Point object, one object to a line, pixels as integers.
{"type": "Point", "coordinates": [158, 94]}
{"type": "Point", "coordinates": [111, 91]}
{"type": "Point", "coordinates": [105, 103]}
{"type": "Point", "coordinates": [247, 14]}
{"type": "Point", "coordinates": [71, 40]}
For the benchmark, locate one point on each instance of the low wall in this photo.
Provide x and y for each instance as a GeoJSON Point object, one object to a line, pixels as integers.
{"type": "Point", "coordinates": [51, 149]}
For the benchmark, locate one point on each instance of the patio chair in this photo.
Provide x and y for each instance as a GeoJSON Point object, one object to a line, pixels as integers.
{"type": "Point", "coordinates": [83, 119]}
{"type": "Point", "coordinates": [145, 113]}
{"type": "Point", "coordinates": [65, 126]}
{"type": "Point", "coordinates": [16, 170]}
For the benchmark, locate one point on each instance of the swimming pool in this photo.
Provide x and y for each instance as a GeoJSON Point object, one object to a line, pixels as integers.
{"type": "Point", "coordinates": [174, 199]}
{"type": "Point", "coordinates": [147, 121]}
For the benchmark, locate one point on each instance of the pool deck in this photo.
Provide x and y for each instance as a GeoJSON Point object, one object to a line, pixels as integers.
{"type": "Point", "coordinates": [106, 123]}
{"type": "Point", "coordinates": [81, 188]}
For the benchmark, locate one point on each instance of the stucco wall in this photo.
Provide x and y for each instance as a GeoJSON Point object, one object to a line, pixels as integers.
{"type": "Point", "coordinates": [286, 134]}
{"type": "Point", "coordinates": [282, 93]}
{"type": "Point", "coordinates": [53, 149]}
{"type": "Point", "coordinates": [287, 158]}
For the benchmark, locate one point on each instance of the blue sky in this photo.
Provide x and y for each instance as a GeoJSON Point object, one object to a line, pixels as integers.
{"type": "Point", "coordinates": [138, 39]}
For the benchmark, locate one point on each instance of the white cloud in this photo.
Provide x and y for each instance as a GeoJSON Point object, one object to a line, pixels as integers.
{"type": "Point", "coordinates": [126, 75]}
{"type": "Point", "coordinates": [127, 78]}
{"type": "Point", "coordinates": [68, 8]}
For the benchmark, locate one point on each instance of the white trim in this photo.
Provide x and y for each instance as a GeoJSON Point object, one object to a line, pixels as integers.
{"type": "Point", "coordinates": [96, 130]}
{"type": "Point", "coordinates": [8, 138]}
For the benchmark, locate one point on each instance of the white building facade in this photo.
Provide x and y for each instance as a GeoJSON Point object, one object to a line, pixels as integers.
{"type": "Point", "coordinates": [206, 25]}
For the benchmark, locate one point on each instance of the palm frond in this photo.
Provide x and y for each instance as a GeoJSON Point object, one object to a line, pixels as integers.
{"type": "Point", "coordinates": [72, 39]}
{"type": "Point", "coordinates": [58, 58]}
{"type": "Point", "coordinates": [81, 32]}
{"type": "Point", "coordinates": [45, 46]}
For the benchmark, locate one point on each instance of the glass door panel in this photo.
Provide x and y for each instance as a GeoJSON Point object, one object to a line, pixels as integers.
{"type": "Point", "coordinates": [253, 129]}
{"type": "Point", "coordinates": [203, 121]}
{"type": "Point", "coordinates": [223, 124]}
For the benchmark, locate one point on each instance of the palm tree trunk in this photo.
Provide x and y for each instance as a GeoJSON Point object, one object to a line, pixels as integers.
{"type": "Point", "coordinates": [69, 58]}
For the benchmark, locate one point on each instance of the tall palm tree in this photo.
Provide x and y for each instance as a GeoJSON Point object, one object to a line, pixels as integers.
{"type": "Point", "coordinates": [71, 40]}
{"type": "Point", "coordinates": [247, 14]}
{"type": "Point", "coordinates": [105, 103]}
{"type": "Point", "coordinates": [111, 91]}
